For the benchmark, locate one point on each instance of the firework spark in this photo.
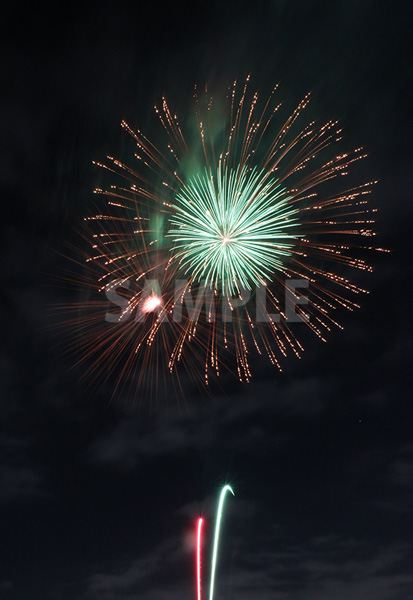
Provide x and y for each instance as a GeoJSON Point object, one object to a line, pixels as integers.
{"type": "Point", "coordinates": [202, 235]}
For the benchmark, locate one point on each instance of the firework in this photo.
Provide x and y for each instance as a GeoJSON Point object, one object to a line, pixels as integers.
{"type": "Point", "coordinates": [231, 229]}
{"type": "Point", "coordinates": [196, 258]}
{"type": "Point", "coordinates": [198, 559]}
{"type": "Point", "coordinates": [224, 491]}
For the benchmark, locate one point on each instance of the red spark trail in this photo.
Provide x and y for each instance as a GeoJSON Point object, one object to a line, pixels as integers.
{"type": "Point", "coordinates": [198, 557]}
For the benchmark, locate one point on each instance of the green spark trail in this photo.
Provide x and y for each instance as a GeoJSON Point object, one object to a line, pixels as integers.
{"type": "Point", "coordinates": [225, 489]}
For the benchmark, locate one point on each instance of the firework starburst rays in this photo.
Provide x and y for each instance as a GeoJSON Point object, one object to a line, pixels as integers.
{"type": "Point", "coordinates": [250, 203]}
{"type": "Point", "coordinates": [232, 229]}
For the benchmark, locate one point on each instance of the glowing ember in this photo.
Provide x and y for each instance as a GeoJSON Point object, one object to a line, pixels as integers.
{"type": "Point", "coordinates": [151, 304]}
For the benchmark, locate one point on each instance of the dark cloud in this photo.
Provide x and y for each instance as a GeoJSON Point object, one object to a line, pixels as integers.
{"type": "Point", "coordinates": [196, 426]}
{"type": "Point", "coordinates": [132, 579]}
{"type": "Point", "coordinates": [17, 482]}
{"type": "Point", "coordinates": [6, 585]}
{"type": "Point", "coordinates": [271, 567]}
{"type": "Point", "coordinates": [20, 478]}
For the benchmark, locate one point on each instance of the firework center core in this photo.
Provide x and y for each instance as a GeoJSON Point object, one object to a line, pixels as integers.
{"type": "Point", "coordinates": [232, 228]}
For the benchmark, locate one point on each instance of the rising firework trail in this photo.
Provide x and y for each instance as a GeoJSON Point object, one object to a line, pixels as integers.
{"type": "Point", "coordinates": [198, 559]}
{"type": "Point", "coordinates": [225, 490]}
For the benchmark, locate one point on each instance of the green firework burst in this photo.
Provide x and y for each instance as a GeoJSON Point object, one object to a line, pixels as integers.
{"type": "Point", "coordinates": [233, 228]}
{"type": "Point", "coordinates": [241, 197]}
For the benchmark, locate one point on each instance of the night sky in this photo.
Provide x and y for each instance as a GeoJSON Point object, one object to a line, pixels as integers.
{"type": "Point", "coordinates": [99, 496]}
